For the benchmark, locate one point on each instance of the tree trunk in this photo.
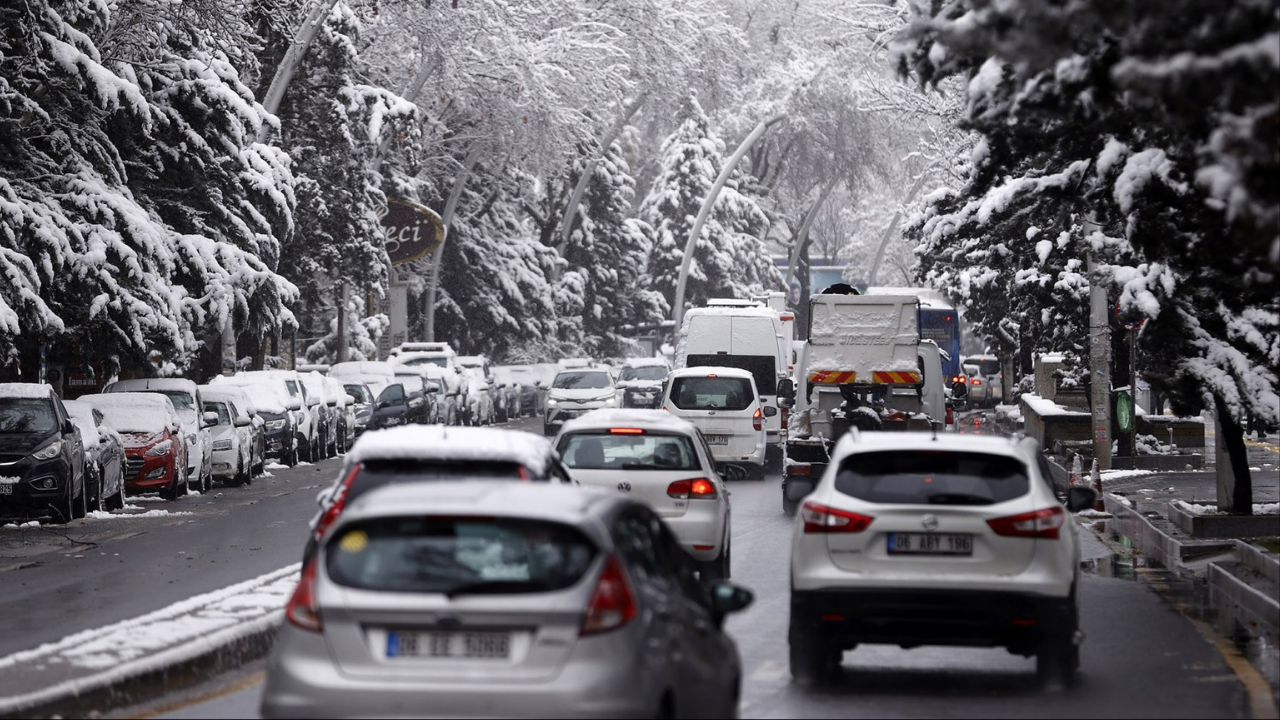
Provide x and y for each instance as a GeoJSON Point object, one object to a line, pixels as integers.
{"type": "Point", "coordinates": [1235, 486]}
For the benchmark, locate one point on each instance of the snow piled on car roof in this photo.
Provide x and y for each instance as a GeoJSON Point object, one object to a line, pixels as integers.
{"type": "Point", "coordinates": [437, 442]}
{"type": "Point", "coordinates": [628, 418]}
{"type": "Point", "coordinates": [645, 362]}
{"type": "Point", "coordinates": [25, 390]}
{"type": "Point", "coordinates": [134, 412]}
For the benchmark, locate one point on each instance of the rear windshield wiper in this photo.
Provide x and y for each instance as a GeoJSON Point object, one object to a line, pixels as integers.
{"type": "Point", "coordinates": [497, 586]}
{"type": "Point", "coordinates": [958, 499]}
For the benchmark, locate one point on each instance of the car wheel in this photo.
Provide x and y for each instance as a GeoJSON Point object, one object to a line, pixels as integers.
{"type": "Point", "coordinates": [80, 506]}
{"type": "Point", "coordinates": [206, 481]}
{"type": "Point", "coordinates": [64, 509]}
{"type": "Point", "coordinates": [773, 459]}
{"type": "Point", "coordinates": [1058, 657]}
{"type": "Point", "coordinates": [789, 506]}
{"type": "Point", "coordinates": [717, 569]}
{"type": "Point", "coordinates": [813, 659]}
{"type": "Point", "coordinates": [116, 502]}
{"type": "Point", "coordinates": [93, 488]}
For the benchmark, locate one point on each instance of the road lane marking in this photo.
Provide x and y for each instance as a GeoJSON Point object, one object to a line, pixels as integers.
{"type": "Point", "coordinates": [243, 684]}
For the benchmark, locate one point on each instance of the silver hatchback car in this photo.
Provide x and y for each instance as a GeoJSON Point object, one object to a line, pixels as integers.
{"type": "Point", "coordinates": [499, 599]}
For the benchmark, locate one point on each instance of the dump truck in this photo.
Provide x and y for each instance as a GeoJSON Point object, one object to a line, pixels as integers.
{"type": "Point", "coordinates": [863, 367]}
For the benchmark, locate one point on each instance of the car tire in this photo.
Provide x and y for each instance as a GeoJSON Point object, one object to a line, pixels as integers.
{"type": "Point", "coordinates": [64, 510]}
{"type": "Point", "coordinates": [115, 502]}
{"type": "Point", "coordinates": [789, 506]}
{"type": "Point", "coordinates": [813, 659]}
{"type": "Point", "coordinates": [80, 506]}
{"type": "Point", "coordinates": [1058, 657]}
{"type": "Point", "coordinates": [206, 482]}
{"type": "Point", "coordinates": [773, 459]}
{"type": "Point", "coordinates": [719, 568]}
{"type": "Point", "coordinates": [93, 488]}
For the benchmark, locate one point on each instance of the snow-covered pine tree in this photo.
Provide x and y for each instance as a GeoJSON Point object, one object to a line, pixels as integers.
{"type": "Point", "coordinates": [729, 258]}
{"type": "Point", "coordinates": [607, 249]}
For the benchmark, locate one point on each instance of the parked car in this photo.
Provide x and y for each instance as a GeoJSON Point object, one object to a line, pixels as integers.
{"type": "Point", "coordinates": [324, 412]}
{"type": "Point", "coordinates": [155, 447]}
{"type": "Point", "coordinates": [418, 347]}
{"type": "Point", "coordinates": [441, 367]}
{"type": "Point", "coordinates": [914, 539]}
{"type": "Point", "coordinates": [640, 381]}
{"type": "Point", "coordinates": [576, 392]}
{"type": "Point", "coordinates": [362, 407]}
{"type": "Point", "coordinates": [560, 604]}
{"type": "Point", "coordinates": [445, 411]}
{"type": "Point", "coordinates": [526, 386]}
{"type": "Point", "coordinates": [306, 418]}
{"type": "Point", "coordinates": [479, 396]}
{"type": "Point", "coordinates": [185, 396]}
{"type": "Point", "coordinates": [257, 422]}
{"type": "Point", "coordinates": [421, 403]}
{"type": "Point", "coordinates": [421, 453]}
{"type": "Point", "coordinates": [722, 402]}
{"type": "Point", "coordinates": [103, 456]}
{"type": "Point", "coordinates": [345, 406]}
{"type": "Point", "coordinates": [42, 458]}
{"type": "Point", "coordinates": [280, 413]}
{"type": "Point", "coordinates": [233, 435]}
{"type": "Point", "coordinates": [663, 462]}
{"type": "Point", "coordinates": [483, 382]}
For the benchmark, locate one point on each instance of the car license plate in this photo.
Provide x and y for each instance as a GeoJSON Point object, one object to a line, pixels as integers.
{"type": "Point", "coordinates": [6, 489]}
{"type": "Point", "coordinates": [473, 645]}
{"type": "Point", "coordinates": [930, 544]}
{"type": "Point", "coordinates": [717, 439]}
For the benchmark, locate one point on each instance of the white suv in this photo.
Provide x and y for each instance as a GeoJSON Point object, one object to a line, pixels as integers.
{"type": "Point", "coordinates": [916, 539]}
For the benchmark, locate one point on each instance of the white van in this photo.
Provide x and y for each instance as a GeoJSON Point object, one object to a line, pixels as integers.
{"type": "Point", "coordinates": [722, 402]}
{"type": "Point", "coordinates": [748, 337]}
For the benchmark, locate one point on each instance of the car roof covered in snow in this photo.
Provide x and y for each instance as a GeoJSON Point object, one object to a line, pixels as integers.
{"type": "Point", "coordinates": [25, 390]}
{"type": "Point", "coordinates": [178, 384]}
{"type": "Point", "coordinates": [644, 419]}
{"type": "Point", "coordinates": [357, 368]}
{"type": "Point", "coordinates": [134, 412]}
{"type": "Point", "coordinates": [707, 370]}
{"type": "Point", "coordinates": [439, 442]}
{"type": "Point", "coordinates": [645, 362]}
{"type": "Point", "coordinates": [228, 393]}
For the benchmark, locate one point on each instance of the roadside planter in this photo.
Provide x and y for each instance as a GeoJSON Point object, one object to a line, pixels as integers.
{"type": "Point", "coordinates": [1206, 521]}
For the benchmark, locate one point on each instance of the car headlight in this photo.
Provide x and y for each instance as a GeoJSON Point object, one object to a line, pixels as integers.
{"type": "Point", "coordinates": [160, 448]}
{"type": "Point", "coordinates": [48, 452]}
{"type": "Point", "coordinates": [610, 401]}
{"type": "Point", "coordinates": [221, 444]}
{"type": "Point", "coordinates": [552, 402]}
{"type": "Point", "coordinates": [275, 424]}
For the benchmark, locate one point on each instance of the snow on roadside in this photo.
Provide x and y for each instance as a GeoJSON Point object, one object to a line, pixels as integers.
{"type": "Point", "coordinates": [1200, 509]}
{"type": "Point", "coordinates": [1122, 474]}
{"type": "Point", "coordinates": [107, 515]}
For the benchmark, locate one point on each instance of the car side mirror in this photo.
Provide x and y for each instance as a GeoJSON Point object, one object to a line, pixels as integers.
{"type": "Point", "coordinates": [68, 428]}
{"type": "Point", "coordinates": [786, 389]}
{"type": "Point", "coordinates": [729, 598]}
{"type": "Point", "coordinates": [210, 419]}
{"type": "Point", "coordinates": [770, 411]}
{"type": "Point", "coordinates": [243, 421]}
{"type": "Point", "coordinates": [295, 405]}
{"type": "Point", "coordinates": [1081, 498]}
{"type": "Point", "coordinates": [731, 473]}
{"type": "Point", "coordinates": [785, 402]}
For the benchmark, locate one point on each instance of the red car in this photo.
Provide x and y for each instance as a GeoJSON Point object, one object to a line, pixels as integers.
{"type": "Point", "coordinates": [155, 450]}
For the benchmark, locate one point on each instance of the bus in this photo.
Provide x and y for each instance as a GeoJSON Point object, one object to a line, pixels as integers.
{"type": "Point", "coordinates": [939, 322]}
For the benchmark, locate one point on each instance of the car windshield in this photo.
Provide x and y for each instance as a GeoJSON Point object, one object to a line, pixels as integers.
{"type": "Point", "coordinates": [359, 392]}
{"type": "Point", "coordinates": [182, 401]}
{"type": "Point", "coordinates": [26, 415]}
{"type": "Point", "coordinates": [646, 372]}
{"type": "Point", "coordinates": [628, 451]}
{"type": "Point", "coordinates": [221, 409]}
{"type": "Point", "coordinates": [437, 361]}
{"type": "Point", "coordinates": [712, 393]}
{"type": "Point", "coordinates": [457, 556]}
{"type": "Point", "coordinates": [582, 380]}
{"type": "Point", "coordinates": [931, 477]}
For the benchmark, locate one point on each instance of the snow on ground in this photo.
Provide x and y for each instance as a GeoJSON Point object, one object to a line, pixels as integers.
{"type": "Point", "coordinates": [276, 466]}
{"type": "Point", "coordinates": [25, 525]}
{"type": "Point", "coordinates": [1091, 513]}
{"type": "Point", "coordinates": [1258, 508]}
{"type": "Point", "coordinates": [1122, 474]}
{"type": "Point", "coordinates": [105, 515]}
{"type": "Point", "coordinates": [1122, 500]}
{"type": "Point", "coordinates": [105, 656]}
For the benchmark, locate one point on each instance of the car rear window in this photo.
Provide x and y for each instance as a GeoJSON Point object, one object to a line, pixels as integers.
{"type": "Point", "coordinates": [458, 555]}
{"type": "Point", "coordinates": [712, 393]}
{"type": "Point", "coordinates": [620, 451]}
{"type": "Point", "coordinates": [989, 367]}
{"type": "Point", "coordinates": [763, 368]}
{"type": "Point", "coordinates": [931, 477]}
{"type": "Point", "coordinates": [376, 474]}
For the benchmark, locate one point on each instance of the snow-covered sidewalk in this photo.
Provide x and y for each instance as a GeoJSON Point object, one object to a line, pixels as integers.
{"type": "Point", "coordinates": [103, 657]}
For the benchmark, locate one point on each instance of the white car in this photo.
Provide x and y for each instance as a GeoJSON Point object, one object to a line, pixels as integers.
{"type": "Point", "coordinates": [233, 436]}
{"type": "Point", "coordinates": [663, 462]}
{"type": "Point", "coordinates": [723, 403]}
{"type": "Point", "coordinates": [916, 539]}
{"type": "Point", "coordinates": [576, 392]}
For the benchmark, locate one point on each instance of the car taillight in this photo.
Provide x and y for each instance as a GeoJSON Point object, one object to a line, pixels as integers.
{"type": "Point", "coordinates": [800, 469]}
{"type": "Point", "coordinates": [612, 605]}
{"type": "Point", "coordinates": [757, 420]}
{"type": "Point", "coordinates": [895, 416]}
{"type": "Point", "coordinates": [697, 488]}
{"type": "Point", "coordinates": [951, 416]}
{"type": "Point", "coordinates": [302, 611]}
{"type": "Point", "coordinates": [337, 502]}
{"type": "Point", "coordinates": [976, 381]}
{"type": "Point", "coordinates": [819, 518]}
{"type": "Point", "coordinates": [1039, 524]}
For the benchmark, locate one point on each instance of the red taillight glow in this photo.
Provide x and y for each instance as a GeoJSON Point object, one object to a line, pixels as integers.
{"type": "Point", "coordinates": [302, 611]}
{"type": "Point", "coordinates": [951, 416]}
{"type": "Point", "coordinates": [627, 431]}
{"type": "Point", "coordinates": [337, 502]}
{"type": "Point", "coordinates": [976, 381]}
{"type": "Point", "coordinates": [612, 605]}
{"type": "Point", "coordinates": [1039, 524]}
{"type": "Point", "coordinates": [787, 318]}
{"type": "Point", "coordinates": [697, 488]}
{"type": "Point", "coordinates": [819, 518]}
{"type": "Point", "coordinates": [800, 470]}
{"type": "Point", "coordinates": [757, 420]}
{"type": "Point", "coordinates": [713, 377]}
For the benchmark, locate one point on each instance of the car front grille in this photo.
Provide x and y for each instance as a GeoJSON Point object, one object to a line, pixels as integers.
{"type": "Point", "coordinates": [133, 466]}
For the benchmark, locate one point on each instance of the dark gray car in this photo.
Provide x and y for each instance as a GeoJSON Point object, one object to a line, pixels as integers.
{"type": "Point", "coordinates": [502, 599]}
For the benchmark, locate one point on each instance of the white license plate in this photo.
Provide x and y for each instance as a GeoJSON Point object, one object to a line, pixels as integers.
{"type": "Point", "coordinates": [929, 544]}
{"type": "Point", "coordinates": [6, 489]}
{"type": "Point", "coordinates": [717, 439]}
{"type": "Point", "coordinates": [473, 645]}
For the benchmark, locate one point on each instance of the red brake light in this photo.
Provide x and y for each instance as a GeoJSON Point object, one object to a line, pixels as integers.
{"type": "Point", "coordinates": [338, 501]}
{"type": "Point", "coordinates": [787, 318]}
{"type": "Point", "coordinates": [896, 416]}
{"type": "Point", "coordinates": [702, 488]}
{"type": "Point", "coordinates": [626, 431]}
{"type": "Point", "coordinates": [800, 470]}
{"type": "Point", "coordinates": [757, 420]}
{"type": "Point", "coordinates": [819, 518]}
{"type": "Point", "coordinates": [951, 417]}
{"type": "Point", "coordinates": [1039, 524]}
{"type": "Point", "coordinates": [302, 610]}
{"type": "Point", "coordinates": [713, 377]}
{"type": "Point", "coordinates": [976, 381]}
{"type": "Point", "coordinates": [612, 605]}
{"type": "Point", "coordinates": [523, 473]}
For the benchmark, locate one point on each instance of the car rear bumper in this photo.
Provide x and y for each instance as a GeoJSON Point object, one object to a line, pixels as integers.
{"type": "Point", "coordinates": [700, 531]}
{"type": "Point", "coordinates": [302, 682]}
{"type": "Point", "coordinates": [1018, 621]}
{"type": "Point", "coordinates": [741, 450]}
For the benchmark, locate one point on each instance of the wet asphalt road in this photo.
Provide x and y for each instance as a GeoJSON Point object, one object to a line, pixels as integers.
{"type": "Point", "coordinates": [1141, 657]}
